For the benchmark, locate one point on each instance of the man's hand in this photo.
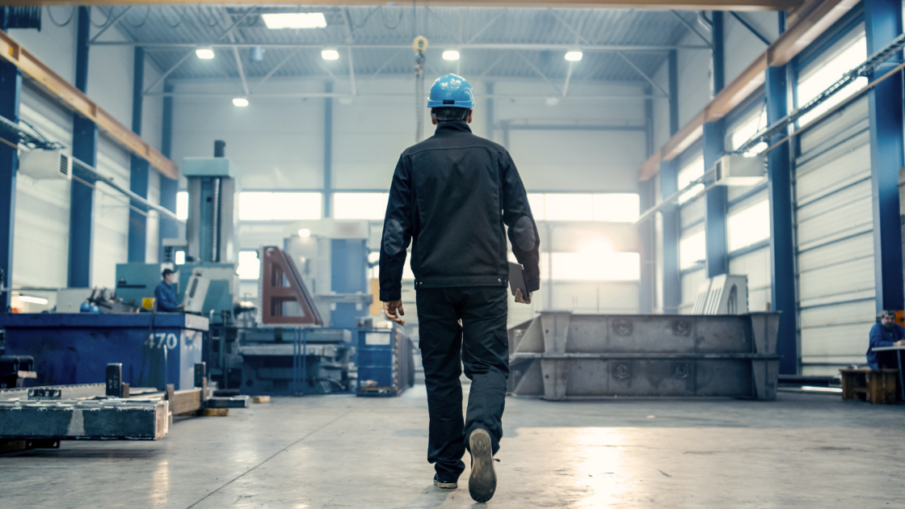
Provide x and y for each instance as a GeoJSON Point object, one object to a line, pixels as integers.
{"type": "Point", "coordinates": [390, 310]}
{"type": "Point", "coordinates": [900, 342]}
{"type": "Point", "coordinates": [521, 298]}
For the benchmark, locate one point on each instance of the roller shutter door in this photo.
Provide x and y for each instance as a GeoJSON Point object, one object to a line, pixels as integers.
{"type": "Point", "coordinates": [41, 243]}
{"type": "Point", "coordinates": [834, 241]}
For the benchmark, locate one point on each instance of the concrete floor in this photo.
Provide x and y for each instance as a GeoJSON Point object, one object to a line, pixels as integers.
{"type": "Point", "coordinates": [347, 452]}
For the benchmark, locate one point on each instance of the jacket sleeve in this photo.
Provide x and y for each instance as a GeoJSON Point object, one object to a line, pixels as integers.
{"type": "Point", "coordinates": [522, 229]}
{"type": "Point", "coordinates": [397, 233]}
{"type": "Point", "coordinates": [876, 337]}
{"type": "Point", "coordinates": [166, 302]}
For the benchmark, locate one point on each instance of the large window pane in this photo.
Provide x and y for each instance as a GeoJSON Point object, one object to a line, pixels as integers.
{"type": "Point", "coordinates": [256, 206]}
{"type": "Point", "coordinates": [249, 265]}
{"type": "Point", "coordinates": [182, 205]}
{"type": "Point", "coordinates": [747, 128]}
{"type": "Point", "coordinates": [569, 207]}
{"type": "Point", "coordinates": [538, 208]}
{"type": "Point", "coordinates": [596, 266]}
{"type": "Point", "coordinates": [617, 208]}
{"type": "Point", "coordinates": [749, 226]}
{"type": "Point", "coordinates": [692, 250]}
{"type": "Point", "coordinates": [692, 171]}
{"type": "Point", "coordinates": [360, 205]}
{"type": "Point", "coordinates": [841, 58]}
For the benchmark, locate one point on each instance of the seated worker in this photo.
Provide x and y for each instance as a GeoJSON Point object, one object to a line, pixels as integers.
{"type": "Point", "coordinates": [884, 333]}
{"type": "Point", "coordinates": [165, 294]}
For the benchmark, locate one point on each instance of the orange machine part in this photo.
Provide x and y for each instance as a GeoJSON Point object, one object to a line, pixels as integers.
{"type": "Point", "coordinates": [281, 283]}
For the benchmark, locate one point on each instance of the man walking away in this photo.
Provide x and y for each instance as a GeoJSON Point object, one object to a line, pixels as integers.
{"type": "Point", "coordinates": [452, 197]}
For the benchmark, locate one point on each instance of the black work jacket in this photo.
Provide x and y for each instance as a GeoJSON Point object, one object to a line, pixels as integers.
{"type": "Point", "coordinates": [452, 196]}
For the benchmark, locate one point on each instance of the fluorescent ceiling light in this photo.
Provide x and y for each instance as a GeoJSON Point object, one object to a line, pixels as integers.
{"type": "Point", "coordinates": [450, 55]}
{"type": "Point", "coordinates": [330, 54]}
{"type": "Point", "coordinates": [276, 21]}
{"type": "Point", "coordinates": [574, 56]}
{"type": "Point", "coordinates": [240, 102]}
{"type": "Point", "coordinates": [33, 300]}
{"type": "Point", "coordinates": [205, 53]}
{"type": "Point", "coordinates": [304, 232]}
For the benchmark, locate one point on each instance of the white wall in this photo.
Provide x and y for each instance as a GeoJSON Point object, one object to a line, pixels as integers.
{"type": "Point", "coordinates": [41, 244]}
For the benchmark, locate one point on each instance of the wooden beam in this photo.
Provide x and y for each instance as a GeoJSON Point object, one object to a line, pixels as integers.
{"type": "Point", "coordinates": [813, 20]}
{"type": "Point", "coordinates": [693, 5]}
{"type": "Point", "coordinates": [78, 102]}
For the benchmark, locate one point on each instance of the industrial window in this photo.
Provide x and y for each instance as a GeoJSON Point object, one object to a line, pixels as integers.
{"type": "Point", "coordinates": [182, 205]}
{"type": "Point", "coordinates": [690, 172]}
{"type": "Point", "coordinates": [258, 206]}
{"type": "Point", "coordinates": [249, 265]}
{"type": "Point", "coordinates": [360, 205]}
{"type": "Point", "coordinates": [692, 250]}
{"type": "Point", "coordinates": [749, 226]}
{"type": "Point", "coordinates": [588, 266]}
{"type": "Point", "coordinates": [842, 57]}
{"type": "Point", "coordinates": [746, 128]}
{"type": "Point", "coordinates": [602, 207]}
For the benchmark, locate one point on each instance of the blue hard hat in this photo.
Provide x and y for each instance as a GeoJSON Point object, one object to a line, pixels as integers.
{"type": "Point", "coordinates": [451, 91]}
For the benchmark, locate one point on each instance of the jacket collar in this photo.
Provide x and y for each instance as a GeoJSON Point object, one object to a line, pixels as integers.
{"type": "Point", "coordinates": [451, 127]}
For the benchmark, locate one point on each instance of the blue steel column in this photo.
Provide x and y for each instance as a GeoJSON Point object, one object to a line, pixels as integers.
{"type": "Point", "coordinates": [140, 169]}
{"type": "Point", "coordinates": [328, 151]}
{"type": "Point", "coordinates": [717, 261]}
{"type": "Point", "coordinates": [646, 229]}
{"type": "Point", "coordinates": [169, 229]}
{"type": "Point", "coordinates": [782, 247]}
{"type": "Point", "coordinates": [669, 184]}
{"type": "Point", "coordinates": [84, 147]}
{"type": "Point", "coordinates": [10, 92]}
{"type": "Point", "coordinates": [883, 23]}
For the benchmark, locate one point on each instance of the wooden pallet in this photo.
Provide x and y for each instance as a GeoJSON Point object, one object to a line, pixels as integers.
{"type": "Point", "coordinates": [876, 385]}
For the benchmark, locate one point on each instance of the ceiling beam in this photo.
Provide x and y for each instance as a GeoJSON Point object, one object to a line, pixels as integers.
{"type": "Point", "coordinates": [691, 5]}
{"type": "Point", "coordinates": [150, 46]}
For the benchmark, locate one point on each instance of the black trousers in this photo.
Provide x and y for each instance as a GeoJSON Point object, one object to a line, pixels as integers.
{"type": "Point", "coordinates": [482, 345]}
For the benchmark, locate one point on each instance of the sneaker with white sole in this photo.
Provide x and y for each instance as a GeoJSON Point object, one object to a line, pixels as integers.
{"type": "Point", "coordinates": [444, 485]}
{"type": "Point", "coordinates": [482, 482]}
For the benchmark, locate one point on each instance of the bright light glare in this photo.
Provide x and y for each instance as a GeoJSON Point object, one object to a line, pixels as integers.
{"type": "Point", "coordinates": [450, 55]}
{"type": "Point", "coordinates": [205, 53]}
{"type": "Point", "coordinates": [749, 226]}
{"type": "Point", "coordinates": [249, 265]}
{"type": "Point", "coordinates": [304, 232]}
{"type": "Point", "coordinates": [33, 300]}
{"type": "Point", "coordinates": [569, 207]}
{"type": "Point", "coordinates": [330, 54]}
{"type": "Point", "coordinates": [257, 206]}
{"type": "Point", "coordinates": [597, 247]}
{"type": "Point", "coordinates": [617, 207]}
{"type": "Point", "coordinates": [182, 205]}
{"type": "Point", "coordinates": [360, 205]}
{"type": "Point", "coordinates": [596, 266]}
{"type": "Point", "coordinates": [814, 82]}
{"type": "Point", "coordinates": [180, 257]}
{"type": "Point", "coordinates": [276, 21]}
{"type": "Point", "coordinates": [692, 249]}
{"type": "Point", "coordinates": [240, 102]}
{"type": "Point", "coordinates": [574, 56]}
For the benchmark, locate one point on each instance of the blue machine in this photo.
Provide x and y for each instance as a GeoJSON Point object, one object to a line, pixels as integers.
{"type": "Point", "coordinates": [154, 349]}
{"type": "Point", "coordinates": [385, 363]}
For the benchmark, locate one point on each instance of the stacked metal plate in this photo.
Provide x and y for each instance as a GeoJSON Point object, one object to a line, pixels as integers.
{"type": "Point", "coordinates": [103, 419]}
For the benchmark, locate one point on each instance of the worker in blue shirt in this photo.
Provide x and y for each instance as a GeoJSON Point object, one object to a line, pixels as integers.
{"type": "Point", "coordinates": [884, 333]}
{"type": "Point", "coordinates": [165, 294]}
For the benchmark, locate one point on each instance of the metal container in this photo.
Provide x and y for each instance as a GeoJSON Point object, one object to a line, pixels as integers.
{"type": "Point", "coordinates": [76, 348]}
{"type": "Point", "coordinates": [560, 355]}
{"type": "Point", "coordinates": [385, 363]}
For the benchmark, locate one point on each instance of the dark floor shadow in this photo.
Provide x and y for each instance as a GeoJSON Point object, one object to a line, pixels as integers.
{"type": "Point", "coordinates": [83, 453]}
{"type": "Point", "coordinates": [432, 496]}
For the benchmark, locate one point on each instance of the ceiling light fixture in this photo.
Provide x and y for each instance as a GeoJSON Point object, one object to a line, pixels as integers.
{"type": "Point", "coordinates": [205, 53]}
{"type": "Point", "coordinates": [450, 54]}
{"type": "Point", "coordinates": [240, 102]}
{"type": "Point", "coordinates": [574, 55]}
{"type": "Point", "coordinates": [330, 54]}
{"type": "Point", "coordinates": [277, 21]}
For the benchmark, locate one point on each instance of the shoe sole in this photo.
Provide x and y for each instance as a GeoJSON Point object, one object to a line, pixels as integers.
{"type": "Point", "coordinates": [482, 482]}
{"type": "Point", "coordinates": [445, 485]}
